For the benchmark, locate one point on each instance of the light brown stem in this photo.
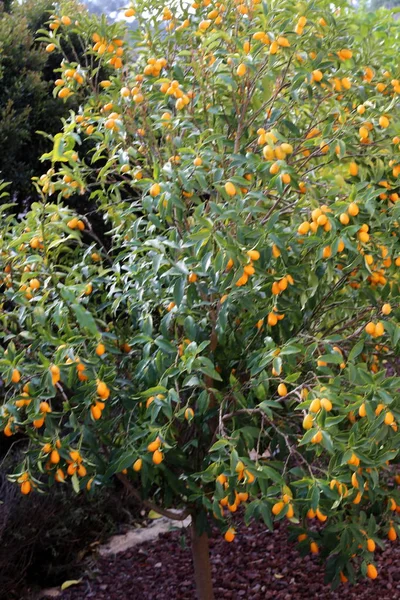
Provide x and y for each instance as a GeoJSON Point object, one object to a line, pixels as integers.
{"type": "Point", "coordinates": [202, 565]}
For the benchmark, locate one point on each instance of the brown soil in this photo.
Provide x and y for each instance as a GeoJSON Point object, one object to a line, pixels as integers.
{"type": "Point", "coordinates": [259, 565]}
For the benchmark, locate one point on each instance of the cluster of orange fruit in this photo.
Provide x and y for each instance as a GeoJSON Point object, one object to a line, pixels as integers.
{"type": "Point", "coordinates": [173, 88]}
{"type": "Point", "coordinates": [26, 485]}
{"type": "Point", "coordinates": [154, 448]}
{"type": "Point", "coordinates": [244, 476]}
{"type": "Point", "coordinates": [76, 223]}
{"type": "Point", "coordinates": [97, 408]}
{"type": "Point", "coordinates": [112, 47]}
{"type": "Point", "coordinates": [281, 285]}
{"type": "Point", "coordinates": [284, 504]}
{"type": "Point", "coordinates": [249, 269]}
{"type": "Point", "coordinates": [375, 329]}
{"type": "Point", "coordinates": [74, 462]}
{"type": "Point", "coordinates": [272, 318]}
{"type": "Point", "coordinates": [54, 25]}
{"type": "Point", "coordinates": [71, 78]}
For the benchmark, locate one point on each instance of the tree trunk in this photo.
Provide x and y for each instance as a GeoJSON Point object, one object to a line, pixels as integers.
{"type": "Point", "coordinates": [202, 565]}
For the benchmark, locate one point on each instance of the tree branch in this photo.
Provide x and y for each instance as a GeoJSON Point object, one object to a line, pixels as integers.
{"type": "Point", "coordinates": [150, 505]}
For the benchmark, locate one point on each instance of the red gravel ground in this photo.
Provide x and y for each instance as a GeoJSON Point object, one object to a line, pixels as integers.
{"type": "Point", "coordinates": [258, 565]}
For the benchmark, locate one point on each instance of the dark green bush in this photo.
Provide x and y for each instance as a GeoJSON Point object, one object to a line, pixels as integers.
{"type": "Point", "coordinates": [27, 105]}
{"type": "Point", "coordinates": [44, 539]}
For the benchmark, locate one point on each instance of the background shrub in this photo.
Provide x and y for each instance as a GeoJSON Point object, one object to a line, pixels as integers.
{"type": "Point", "coordinates": [44, 538]}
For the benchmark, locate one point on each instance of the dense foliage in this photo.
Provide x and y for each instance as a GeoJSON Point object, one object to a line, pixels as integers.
{"type": "Point", "coordinates": [27, 105]}
{"type": "Point", "coordinates": [235, 339]}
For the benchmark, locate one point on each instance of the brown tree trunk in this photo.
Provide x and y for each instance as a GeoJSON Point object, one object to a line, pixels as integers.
{"type": "Point", "coordinates": [202, 565]}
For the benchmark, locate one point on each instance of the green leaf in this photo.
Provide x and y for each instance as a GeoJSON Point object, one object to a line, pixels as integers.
{"type": "Point", "coordinates": [85, 319]}
{"type": "Point", "coordinates": [75, 483]}
{"type": "Point", "coordinates": [334, 358]}
{"type": "Point", "coordinates": [356, 350]}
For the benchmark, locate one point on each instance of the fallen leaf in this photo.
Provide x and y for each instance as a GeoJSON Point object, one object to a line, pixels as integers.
{"type": "Point", "coordinates": [154, 515]}
{"type": "Point", "coordinates": [69, 583]}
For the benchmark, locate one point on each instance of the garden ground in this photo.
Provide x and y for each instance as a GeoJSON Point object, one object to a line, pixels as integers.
{"type": "Point", "coordinates": [259, 565]}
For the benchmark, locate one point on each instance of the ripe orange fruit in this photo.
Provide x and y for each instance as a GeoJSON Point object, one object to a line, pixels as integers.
{"type": "Point", "coordinates": [317, 438]}
{"type": "Point", "coordinates": [102, 390]}
{"type": "Point", "coordinates": [353, 169]}
{"type": "Point", "coordinates": [317, 75]}
{"type": "Point", "coordinates": [230, 535]}
{"type": "Point", "coordinates": [308, 421]}
{"type": "Point", "coordinates": [137, 465]}
{"type": "Point", "coordinates": [353, 209]}
{"type": "Point", "coordinates": [64, 92]}
{"type": "Point", "coordinates": [54, 457]}
{"type": "Point", "coordinates": [71, 469]}
{"type": "Point", "coordinates": [370, 328]}
{"type": "Point", "coordinates": [44, 407]}
{"type": "Point", "coordinates": [153, 446]}
{"type": "Point", "coordinates": [55, 374]}
{"type": "Point", "coordinates": [241, 70]}
{"type": "Point", "coordinates": [372, 572]}
{"type": "Point", "coordinates": [278, 508]}
{"type": "Point", "coordinates": [314, 548]}
{"type": "Point", "coordinates": [189, 414]}
{"type": "Point", "coordinates": [326, 404]}
{"type": "Point", "coordinates": [158, 457]}
{"type": "Point", "coordinates": [230, 188]}
{"type": "Point", "coordinates": [82, 471]}
{"type": "Point", "coordinates": [155, 190]}
{"type": "Point", "coordinates": [100, 349]}
{"type": "Point", "coordinates": [15, 376]}
{"type": "Point", "coordinates": [282, 390]}
{"type": "Point", "coordinates": [303, 228]}
{"type": "Point", "coordinates": [290, 512]}
{"type": "Point", "coordinates": [59, 476]}
{"type": "Point", "coordinates": [34, 284]}
{"type": "Point", "coordinates": [344, 219]}
{"type": "Point", "coordinates": [353, 460]}
{"type": "Point", "coordinates": [192, 278]}
{"type": "Point", "coordinates": [386, 309]}
{"type": "Point", "coordinates": [315, 405]}
{"type": "Point", "coordinates": [384, 122]}
{"type": "Point", "coordinates": [389, 418]}
{"type": "Point", "coordinates": [50, 48]}
{"type": "Point", "coordinates": [253, 254]}
{"type": "Point", "coordinates": [73, 223]}
{"type": "Point", "coordinates": [130, 12]}
{"type": "Point", "coordinates": [320, 516]}
{"type": "Point", "coordinates": [392, 535]}
{"type": "Point", "coordinates": [95, 411]}
{"type": "Point", "coordinates": [26, 488]}
{"type": "Point", "coordinates": [274, 168]}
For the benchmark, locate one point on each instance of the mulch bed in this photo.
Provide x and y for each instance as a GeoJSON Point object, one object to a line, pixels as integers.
{"type": "Point", "coordinates": [258, 565]}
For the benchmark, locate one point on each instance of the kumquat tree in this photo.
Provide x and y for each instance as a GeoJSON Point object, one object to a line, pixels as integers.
{"type": "Point", "coordinates": [232, 338]}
